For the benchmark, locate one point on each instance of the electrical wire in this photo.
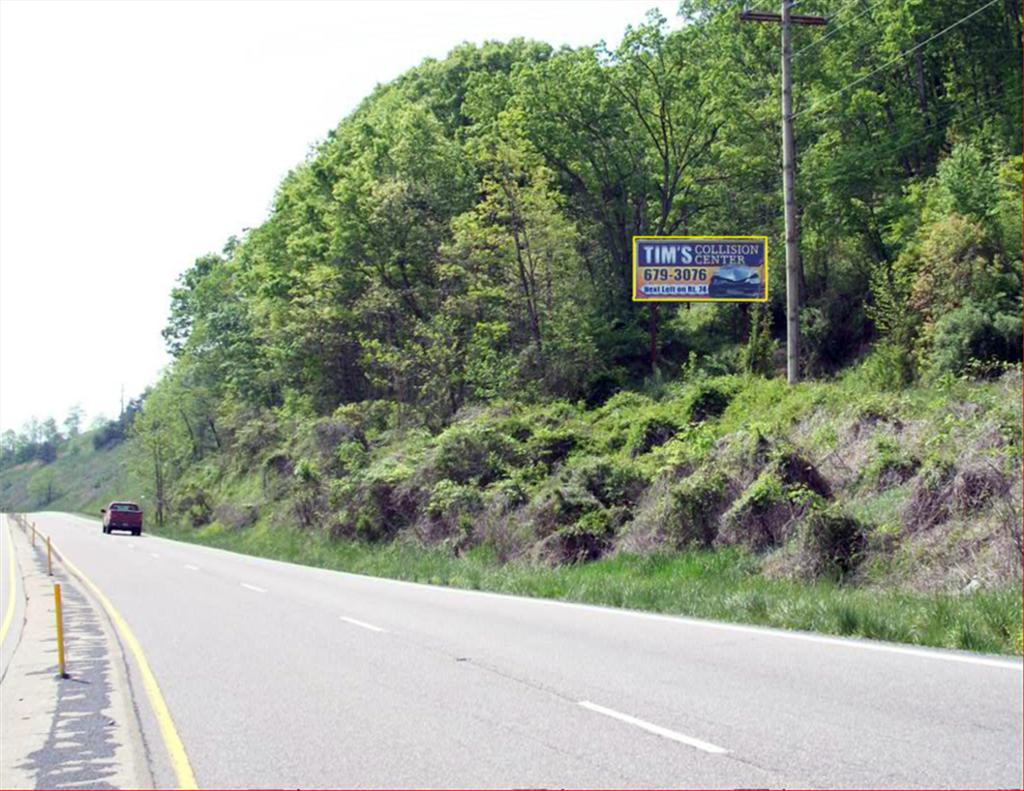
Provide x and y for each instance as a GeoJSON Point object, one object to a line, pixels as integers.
{"type": "Point", "coordinates": [836, 29]}
{"type": "Point", "coordinates": [937, 126]}
{"type": "Point", "coordinates": [901, 56]}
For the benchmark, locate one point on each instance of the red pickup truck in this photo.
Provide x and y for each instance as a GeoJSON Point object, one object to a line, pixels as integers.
{"type": "Point", "coordinates": [122, 516]}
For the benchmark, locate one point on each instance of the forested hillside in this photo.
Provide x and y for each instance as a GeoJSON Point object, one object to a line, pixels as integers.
{"type": "Point", "coordinates": [430, 340]}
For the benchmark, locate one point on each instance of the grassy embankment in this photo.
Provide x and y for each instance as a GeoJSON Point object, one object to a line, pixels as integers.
{"type": "Point", "coordinates": [830, 507]}
{"type": "Point", "coordinates": [81, 480]}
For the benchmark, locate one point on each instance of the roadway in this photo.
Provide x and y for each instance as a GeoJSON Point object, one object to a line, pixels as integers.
{"type": "Point", "coordinates": [286, 676]}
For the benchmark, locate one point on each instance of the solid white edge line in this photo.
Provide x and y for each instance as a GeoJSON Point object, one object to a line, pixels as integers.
{"type": "Point", "coordinates": [943, 654]}
{"type": "Point", "coordinates": [363, 624]}
{"type": "Point", "coordinates": [153, 555]}
{"type": "Point", "coordinates": [190, 567]}
{"type": "Point", "coordinates": [655, 729]}
{"type": "Point", "coordinates": [252, 587]}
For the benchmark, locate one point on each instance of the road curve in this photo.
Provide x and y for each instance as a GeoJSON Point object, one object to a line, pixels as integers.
{"type": "Point", "coordinates": [279, 675]}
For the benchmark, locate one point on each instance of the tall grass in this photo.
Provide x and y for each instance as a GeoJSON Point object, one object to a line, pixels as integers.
{"type": "Point", "coordinates": [723, 585]}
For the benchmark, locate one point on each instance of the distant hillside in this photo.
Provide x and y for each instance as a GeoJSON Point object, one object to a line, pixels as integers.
{"type": "Point", "coordinates": [82, 479]}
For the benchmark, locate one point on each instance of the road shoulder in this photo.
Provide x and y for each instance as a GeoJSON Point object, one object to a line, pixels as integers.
{"type": "Point", "coordinates": [82, 731]}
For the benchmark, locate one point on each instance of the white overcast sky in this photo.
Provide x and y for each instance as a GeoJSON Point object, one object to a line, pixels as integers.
{"type": "Point", "coordinates": [136, 136]}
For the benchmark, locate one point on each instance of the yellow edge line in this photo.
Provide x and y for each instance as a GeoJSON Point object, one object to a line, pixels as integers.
{"type": "Point", "coordinates": [175, 747]}
{"type": "Point", "coordinates": [11, 573]}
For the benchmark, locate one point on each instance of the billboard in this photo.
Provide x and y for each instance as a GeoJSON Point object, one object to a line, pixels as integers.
{"type": "Point", "coordinates": [700, 268]}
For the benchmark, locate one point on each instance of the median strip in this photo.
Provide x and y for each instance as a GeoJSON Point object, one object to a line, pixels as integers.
{"type": "Point", "coordinates": [363, 624]}
{"type": "Point", "coordinates": [650, 727]}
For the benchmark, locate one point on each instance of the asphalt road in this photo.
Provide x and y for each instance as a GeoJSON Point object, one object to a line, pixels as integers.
{"type": "Point", "coordinates": [285, 676]}
{"type": "Point", "coordinates": [12, 600]}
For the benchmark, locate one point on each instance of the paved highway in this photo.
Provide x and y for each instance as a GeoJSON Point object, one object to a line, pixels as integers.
{"type": "Point", "coordinates": [285, 676]}
{"type": "Point", "coordinates": [12, 604]}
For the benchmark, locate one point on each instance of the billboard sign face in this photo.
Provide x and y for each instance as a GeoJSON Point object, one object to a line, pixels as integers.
{"type": "Point", "coordinates": [700, 268]}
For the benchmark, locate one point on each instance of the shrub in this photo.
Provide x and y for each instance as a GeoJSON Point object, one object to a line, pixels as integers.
{"type": "Point", "coordinates": [276, 471]}
{"type": "Point", "coordinates": [550, 446]}
{"type": "Point", "coordinates": [889, 466]}
{"type": "Point", "coordinates": [474, 452]}
{"type": "Point", "coordinates": [378, 502]}
{"type": "Point", "coordinates": [193, 504]}
{"type": "Point", "coordinates": [695, 504]}
{"type": "Point", "coordinates": [610, 481]}
{"type": "Point", "coordinates": [831, 331]}
{"type": "Point", "coordinates": [758, 355]}
{"type": "Point", "coordinates": [650, 432]}
{"type": "Point", "coordinates": [831, 542]}
{"type": "Point", "coordinates": [236, 517]}
{"type": "Point", "coordinates": [971, 340]}
{"type": "Point", "coordinates": [451, 510]}
{"type": "Point", "coordinates": [888, 367]}
{"type": "Point", "coordinates": [760, 517]}
{"type": "Point", "coordinates": [350, 456]}
{"type": "Point", "coordinates": [708, 401]}
{"type": "Point", "coordinates": [590, 536]}
{"type": "Point", "coordinates": [929, 502]}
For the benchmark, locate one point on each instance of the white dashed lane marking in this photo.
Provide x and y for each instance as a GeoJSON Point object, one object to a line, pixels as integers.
{"type": "Point", "coordinates": [363, 624]}
{"type": "Point", "coordinates": [650, 727]}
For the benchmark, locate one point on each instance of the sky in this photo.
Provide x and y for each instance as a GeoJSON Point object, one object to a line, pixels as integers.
{"type": "Point", "coordinates": [137, 136]}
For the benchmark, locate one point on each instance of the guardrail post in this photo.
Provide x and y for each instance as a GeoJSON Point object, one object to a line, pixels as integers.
{"type": "Point", "coordinates": [49, 557]}
{"type": "Point", "coordinates": [60, 630]}
{"type": "Point", "coordinates": [33, 534]}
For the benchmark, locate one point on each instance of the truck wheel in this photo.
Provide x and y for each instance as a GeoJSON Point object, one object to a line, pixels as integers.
{"type": "Point", "coordinates": [137, 532]}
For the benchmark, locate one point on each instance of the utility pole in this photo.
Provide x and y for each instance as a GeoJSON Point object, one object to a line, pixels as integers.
{"type": "Point", "coordinates": [794, 270]}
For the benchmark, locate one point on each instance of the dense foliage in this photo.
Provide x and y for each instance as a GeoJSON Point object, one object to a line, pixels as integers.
{"type": "Point", "coordinates": [463, 237]}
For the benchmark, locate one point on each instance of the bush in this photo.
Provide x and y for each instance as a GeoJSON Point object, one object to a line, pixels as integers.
{"type": "Point", "coordinates": [889, 466]}
{"type": "Point", "coordinates": [610, 481]}
{"type": "Point", "coordinates": [452, 507]}
{"type": "Point", "coordinates": [192, 503]}
{"type": "Point", "coordinates": [762, 516]}
{"type": "Point", "coordinates": [275, 475]}
{"type": "Point", "coordinates": [475, 453]}
{"type": "Point", "coordinates": [236, 517]}
{"type": "Point", "coordinates": [971, 340]}
{"type": "Point", "coordinates": [590, 536]}
{"type": "Point", "coordinates": [831, 542]}
{"type": "Point", "coordinates": [929, 502]}
{"type": "Point", "coordinates": [708, 401]}
{"type": "Point", "coordinates": [695, 504]}
{"type": "Point", "coordinates": [376, 503]}
{"type": "Point", "coordinates": [650, 432]}
{"type": "Point", "coordinates": [758, 355]}
{"type": "Point", "coordinates": [888, 367]}
{"type": "Point", "coordinates": [550, 446]}
{"type": "Point", "coordinates": [831, 331]}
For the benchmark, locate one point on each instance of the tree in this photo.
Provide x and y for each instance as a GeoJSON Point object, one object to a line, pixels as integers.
{"type": "Point", "coordinates": [73, 422]}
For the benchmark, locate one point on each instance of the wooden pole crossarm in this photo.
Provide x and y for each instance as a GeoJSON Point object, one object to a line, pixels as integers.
{"type": "Point", "coordinates": [795, 19]}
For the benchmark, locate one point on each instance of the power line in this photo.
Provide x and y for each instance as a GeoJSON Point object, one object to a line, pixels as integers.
{"type": "Point", "coordinates": [937, 126]}
{"type": "Point", "coordinates": [836, 29]}
{"type": "Point", "coordinates": [899, 57]}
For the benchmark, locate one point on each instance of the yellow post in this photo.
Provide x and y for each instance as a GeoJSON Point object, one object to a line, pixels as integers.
{"type": "Point", "coordinates": [60, 630]}
{"type": "Point", "coordinates": [49, 557]}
